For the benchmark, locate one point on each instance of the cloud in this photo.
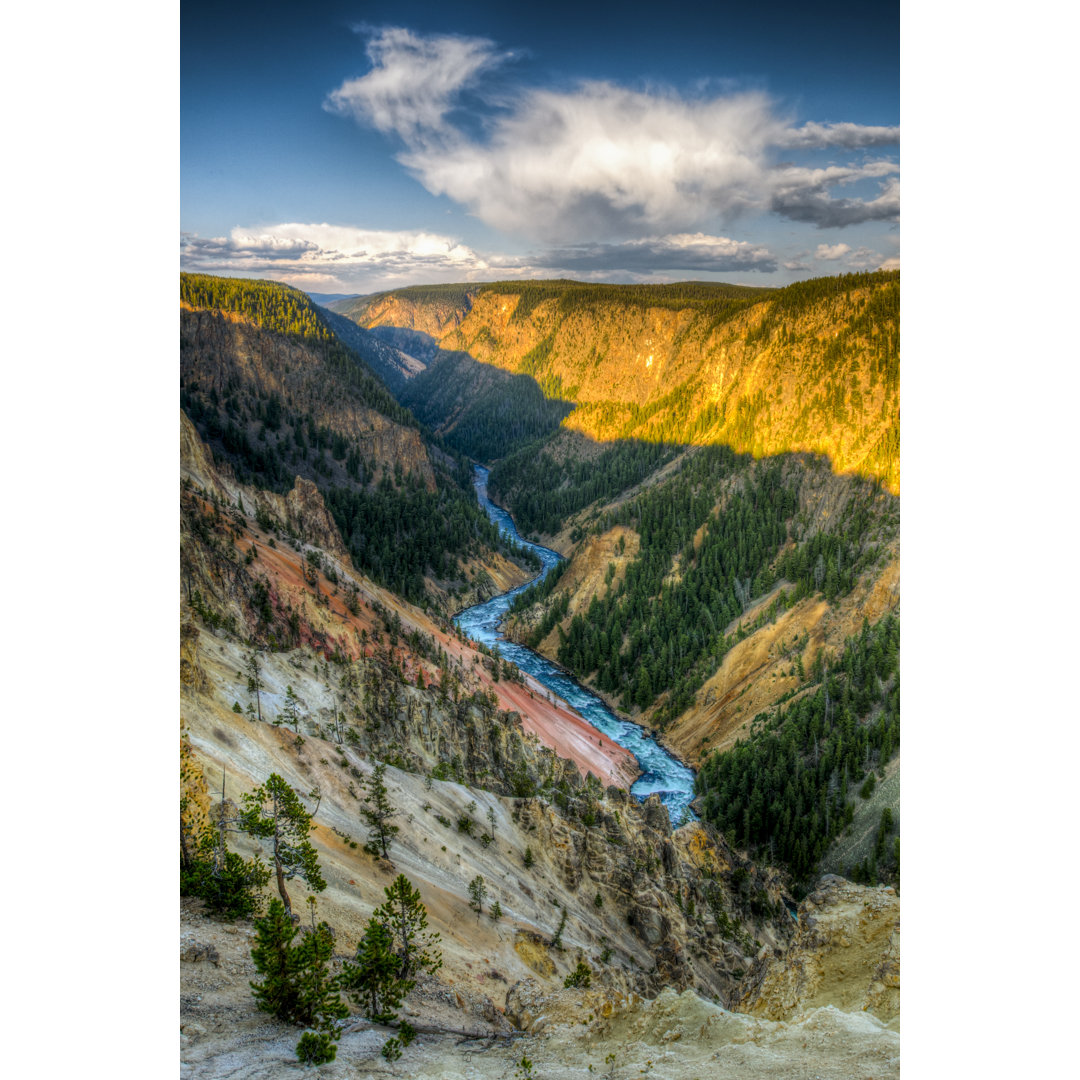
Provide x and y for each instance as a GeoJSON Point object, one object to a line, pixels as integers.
{"type": "Point", "coordinates": [414, 81]}
{"type": "Point", "coordinates": [812, 136]}
{"type": "Point", "coordinates": [796, 264]}
{"type": "Point", "coordinates": [868, 259]}
{"type": "Point", "coordinates": [683, 251]}
{"type": "Point", "coordinates": [600, 162]}
{"type": "Point", "coordinates": [332, 255]}
{"type": "Point", "coordinates": [827, 253]}
{"type": "Point", "coordinates": [347, 257]}
{"type": "Point", "coordinates": [810, 202]}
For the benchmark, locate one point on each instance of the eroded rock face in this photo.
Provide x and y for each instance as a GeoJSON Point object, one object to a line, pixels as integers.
{"type": "Point", "coordinates": [531, 1007]}
{"type": "Point", "coordinates": [672, 890]}
{"type": "Point", "coordinates": [845, 953]}
{"type": "Point", "coordinates": [305, 508]}
{"type": "Point", "coordinates": [191, 674]}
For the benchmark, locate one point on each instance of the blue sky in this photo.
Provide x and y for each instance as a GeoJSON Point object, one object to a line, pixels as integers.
{"type": "Point", "coordinates": [348, 147]}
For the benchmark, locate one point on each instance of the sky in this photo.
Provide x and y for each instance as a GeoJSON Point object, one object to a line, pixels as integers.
{"type": "Point", "coordinates": [352, 147]}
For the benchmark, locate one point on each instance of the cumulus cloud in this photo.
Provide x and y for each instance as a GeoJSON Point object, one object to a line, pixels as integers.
{"type": "Point", "coordinates": [868, 259]}
{"type": "Point", "coordinates": [331, 255]}
{"type": "Point", "coordinates": [599, 161]}
{"type": "Point", "coordinates": [828, 253]}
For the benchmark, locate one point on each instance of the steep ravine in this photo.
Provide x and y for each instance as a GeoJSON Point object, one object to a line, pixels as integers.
{"type": "Point", "coordinates": [662, 773]}
{"type": "Point", "coordinates": [679, 910]}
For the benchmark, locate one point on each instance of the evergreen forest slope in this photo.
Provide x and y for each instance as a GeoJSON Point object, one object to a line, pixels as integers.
{"type": "Point", "coordinates": [277, 395]}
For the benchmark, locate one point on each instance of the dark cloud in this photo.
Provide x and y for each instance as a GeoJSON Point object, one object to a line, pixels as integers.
{"type": "Point", "coordinates": [694, 252]}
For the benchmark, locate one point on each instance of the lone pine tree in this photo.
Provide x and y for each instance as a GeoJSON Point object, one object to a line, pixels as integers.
{"type": "Point", "coordinates": [395, 948]}
{"type": "Point", "coordinates": [251, 665]}
{"type": "Point", "coordinates": [405, 918]}
{"type": "Point", "coordinates": [274, 812]}
{"type": "Point", "coordinates": [372, 978]}
{"type": "Point", "coordinates": [377, 811]}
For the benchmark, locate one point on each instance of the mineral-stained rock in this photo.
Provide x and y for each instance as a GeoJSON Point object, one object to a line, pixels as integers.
{"type": "Point", "coordinates": [845, 952]}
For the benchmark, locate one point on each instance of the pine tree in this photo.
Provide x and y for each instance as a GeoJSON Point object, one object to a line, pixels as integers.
{"type": "Point", "coordinates": [291, 709]}
{"type": "Point", "coordinates": [297, 986]}
{"type": "Point", "coordinates": [405, 918]}
{"type": "Point", "coordinates": [274, 812]}
{"type": "Point", "coordinates": [228, 884]}
{"type": "Point", "coordinates": [319, 1004]}
{"type": "Point", "coordinates": [372, 978]}
{"type": "Point", "coordinates": [278, 962]}
{"type": "Point", "coordinates": [251, 665]}
{"type": "Point", "coordinates": [377, 811]}
{"type": "Point", "coordinates": [477, 893]}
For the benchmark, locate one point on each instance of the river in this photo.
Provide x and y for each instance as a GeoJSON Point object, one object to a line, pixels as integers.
{"type": "Point", "coordinates": [660, 772]}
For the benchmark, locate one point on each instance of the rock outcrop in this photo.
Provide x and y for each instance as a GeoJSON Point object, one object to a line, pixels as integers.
{"type": "Point", "coordinates": [845, 953]}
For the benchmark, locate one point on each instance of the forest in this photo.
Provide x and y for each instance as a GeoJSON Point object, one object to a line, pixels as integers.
{"type": "Point", "coordinates": [789, 790]}
{"type": "Point", "coordinates": [544, 491]}
{"type": "Point", "coordinates": [267, 424]}
{"type": "Point", "coordinates": [487, 412]}
{"type": "Point", "coordinates": [715, 536]}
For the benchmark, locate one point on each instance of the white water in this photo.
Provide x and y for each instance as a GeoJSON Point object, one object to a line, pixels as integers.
{"type": "Point", "coordinates": [660, 772]}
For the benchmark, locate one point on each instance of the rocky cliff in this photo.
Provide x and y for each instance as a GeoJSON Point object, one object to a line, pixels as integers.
{"type": "Point", "coordinates": [845, 952]}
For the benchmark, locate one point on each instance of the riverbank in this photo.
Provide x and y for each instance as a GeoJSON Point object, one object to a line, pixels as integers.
{"type": "Point", "coordinates": [661, 772]}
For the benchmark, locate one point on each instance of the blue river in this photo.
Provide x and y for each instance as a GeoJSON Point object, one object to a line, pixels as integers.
{"type": "Point", "coordinates": [660, 772]}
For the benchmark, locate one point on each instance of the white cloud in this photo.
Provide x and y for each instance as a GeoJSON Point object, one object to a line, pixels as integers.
{"type": "Point", "coordinates": [339, 257]}
{"type": "Point", "coordinates": [827, 253]}
{"type": "Point", "coordinates": [414, 80]}
{"type": "Point", "coordinates": [599, 161]}
{"type": "Point", "coordinates": [868, 259]}
{"type": "Point", "coordinates": [848, 136]}
{"type": "Point", "coordinates": [332, 255]}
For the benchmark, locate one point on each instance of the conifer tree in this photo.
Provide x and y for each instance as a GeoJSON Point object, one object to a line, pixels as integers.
{"type": "Point", "coordinates": [377, 811]}
{"type": "Point", "coordinates": [405, 918]}
{"type": "Point", "coordinates": [291, 709]}
{"type": "Point", "coordinates": [372, 978]}
{"type": "Point", "coordinates": [274, 812]}
{"type": "Point", "coordinates": [228, 884]}
{"type": "Point", "coordinates": [251, 665]}
{"type": "Point", "coordinates": [297, 986]}
{"type": "Point", "coordinates": [477, 894]}
{"type": "Point", "coordinates": [276, 961]}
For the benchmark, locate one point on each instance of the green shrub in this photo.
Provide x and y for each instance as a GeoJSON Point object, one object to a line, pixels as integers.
{"type": "Point", "coordinates": [316, 1048]}
{"type": "Point", "coordinates": [581, 976]}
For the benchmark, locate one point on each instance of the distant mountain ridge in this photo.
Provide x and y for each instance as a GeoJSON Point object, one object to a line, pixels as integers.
{"type": "Point", "coordinates": [810, 367]}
